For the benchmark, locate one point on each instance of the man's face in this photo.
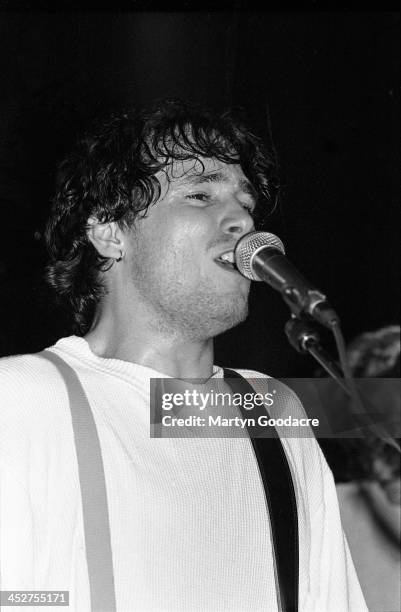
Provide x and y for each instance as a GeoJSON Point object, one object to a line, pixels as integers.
{"type": "Point", "coordinates": [175, 251]}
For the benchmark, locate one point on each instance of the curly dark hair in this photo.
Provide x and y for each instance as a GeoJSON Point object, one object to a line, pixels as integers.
{"type": "Point", "coordinates": [111, 176]}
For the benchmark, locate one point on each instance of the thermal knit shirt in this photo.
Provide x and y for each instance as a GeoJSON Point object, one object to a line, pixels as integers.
{"type": "Point", "coordinates": [189, 523]}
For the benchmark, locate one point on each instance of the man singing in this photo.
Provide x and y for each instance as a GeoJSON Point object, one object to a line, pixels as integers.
{"type": "Point", "coordinates": [141, 236]}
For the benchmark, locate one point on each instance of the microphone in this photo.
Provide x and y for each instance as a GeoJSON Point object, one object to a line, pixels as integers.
{"type": "Point", "coordinates": [260, 256]}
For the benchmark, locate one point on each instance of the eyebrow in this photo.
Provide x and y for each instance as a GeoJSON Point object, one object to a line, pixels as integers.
{"type": "Point", "coordinates": [220, 177]}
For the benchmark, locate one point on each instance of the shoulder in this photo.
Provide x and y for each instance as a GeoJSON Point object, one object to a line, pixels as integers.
{"type": "Point", "coordinates": [27, 377]}
{"type": "Point", "coordinates": [33, 403]}
{"type": "Point", "coordinates": [37, 453]}
{"type": "Point", "coordinates": [285, 401]}
{"type": "Point", "coordinates": [299, 439]}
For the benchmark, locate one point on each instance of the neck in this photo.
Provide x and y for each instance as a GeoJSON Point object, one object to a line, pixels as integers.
{"type": "Point", "coordinates": [143, 340]}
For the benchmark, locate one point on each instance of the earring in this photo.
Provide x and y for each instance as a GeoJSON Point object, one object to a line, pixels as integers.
{"type": "Point", "coordinates": [121, 256]}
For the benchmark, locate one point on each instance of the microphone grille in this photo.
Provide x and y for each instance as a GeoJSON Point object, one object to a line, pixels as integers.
{"type": "Point", "coordinates": [249, 245]}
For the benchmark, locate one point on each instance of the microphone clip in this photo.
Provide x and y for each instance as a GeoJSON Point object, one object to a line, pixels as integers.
{"type": "Point", "coordinates": [304, 336]}
{"type": "Point", "coordinates": [311, 302]}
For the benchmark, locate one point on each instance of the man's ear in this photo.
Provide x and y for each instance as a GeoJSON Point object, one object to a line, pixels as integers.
{"type": "Point", "coordinates": [107, 238]}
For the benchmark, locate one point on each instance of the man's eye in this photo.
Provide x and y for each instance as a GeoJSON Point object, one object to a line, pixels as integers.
{"type": "Point", "coordinates": [203, 197]}
{"type": "Point", "coordinates": [249, 208]}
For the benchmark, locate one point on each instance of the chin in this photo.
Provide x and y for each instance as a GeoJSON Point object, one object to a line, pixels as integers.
{"type": "Point", "coordinates": [235, 314]}
{"type": "Point", "coordinates": [204, 314]}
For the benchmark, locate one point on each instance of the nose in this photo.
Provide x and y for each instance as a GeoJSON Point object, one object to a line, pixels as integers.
{"type": "Point", "coordinates": [237, 221]}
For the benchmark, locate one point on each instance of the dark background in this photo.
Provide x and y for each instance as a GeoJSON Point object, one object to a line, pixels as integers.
{"type": "Point", "coordinates": [322, 87]}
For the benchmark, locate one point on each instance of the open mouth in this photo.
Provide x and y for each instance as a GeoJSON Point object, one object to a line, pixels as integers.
{"type": "Point", "coordinates": [226, 260]}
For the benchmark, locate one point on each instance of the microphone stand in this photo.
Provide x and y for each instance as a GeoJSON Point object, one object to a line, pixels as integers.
{"type": "Point", "coordinates": [304, 337]}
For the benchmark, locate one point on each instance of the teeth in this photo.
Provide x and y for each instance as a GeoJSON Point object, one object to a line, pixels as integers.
{"type": "Point", "coordinates": [229, 256]}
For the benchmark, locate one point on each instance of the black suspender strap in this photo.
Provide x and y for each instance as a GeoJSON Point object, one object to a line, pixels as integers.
{"type": "Point", "coordinates": [280, 494]}
{"type": "Point", "coordinates": [93, 490]}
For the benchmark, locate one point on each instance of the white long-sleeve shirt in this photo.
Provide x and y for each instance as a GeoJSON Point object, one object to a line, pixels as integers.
{"type": "Point", "coordinates": [189, 524]}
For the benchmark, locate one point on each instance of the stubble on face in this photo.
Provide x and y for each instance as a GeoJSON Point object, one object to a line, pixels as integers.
{"type": "Point", "coordinates": [174, 275]}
